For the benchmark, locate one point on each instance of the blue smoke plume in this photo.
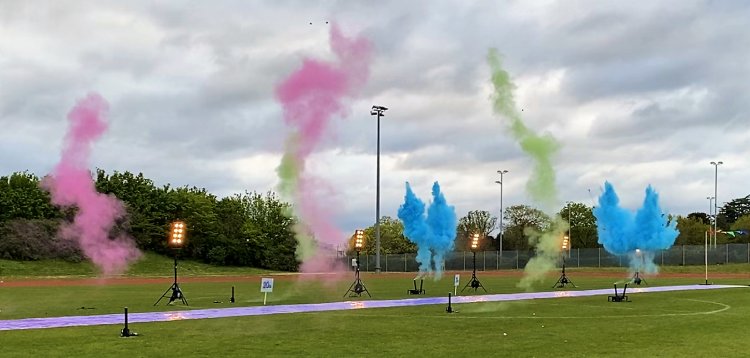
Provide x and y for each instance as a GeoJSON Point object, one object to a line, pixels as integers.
{"type": "Point", "coordinates": [442, 220]}
{"type": "Point", "coordinates": [434, 234]}
{"type": "Point", "coordinates": [637, 236]}
{"type": "Point", "coordinates": [415, 227]}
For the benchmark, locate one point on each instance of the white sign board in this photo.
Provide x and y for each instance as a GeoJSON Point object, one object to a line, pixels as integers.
{"type": "Point", "coordinates": [266, 285]}
{"type": "Point", "coordinates": [456, 279]}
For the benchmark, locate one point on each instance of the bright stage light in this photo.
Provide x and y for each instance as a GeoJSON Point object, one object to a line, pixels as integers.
{"type": "Point", "coordinates": [359, 240]}
{"type": "Point", "coordinates": [566, 243]}
{"type": "Point", "coordinates": [178, 235]}
{"type": "Point", "coordinates": [475, 242]}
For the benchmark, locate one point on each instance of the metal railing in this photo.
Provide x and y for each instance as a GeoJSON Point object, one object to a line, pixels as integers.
{"type": "Point", "coordinates": [682, 255]}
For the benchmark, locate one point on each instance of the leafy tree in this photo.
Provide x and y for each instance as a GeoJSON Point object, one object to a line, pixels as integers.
{"type": "Point", "coordinates": [148, 209]}
{"type": "Point", "coordinates": [197, 208]}
{"type": "Point", "coordinates": [733, 210]}
{"type": "Point", "coordinates": [392, 239]}
{"type": "Point", "coordinates": [703, 217]}
{"type": "Point", "coordinates": [519, 218]}
{"type": "Point", "coordinates": [21, 197]}
{"type": "Point", "coordinates": [692, 230]}
{"type": "Point", "coordinates": [582, 222]}
{"type": "Point", "coordinates": [268, 232]}
{"type": "Point", "coordinates": [476, 221]}
{"type": "Point", "coordinates": [743, 224]}
{"type": "Point", "coordinates": [231, 244]}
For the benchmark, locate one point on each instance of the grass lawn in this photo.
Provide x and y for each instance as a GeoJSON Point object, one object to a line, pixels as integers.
{"type": "Point", "coordinates": [670, 324]}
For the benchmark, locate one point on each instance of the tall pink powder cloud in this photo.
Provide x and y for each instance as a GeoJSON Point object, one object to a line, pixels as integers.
{"type": "Point", "coordinates": [71, 185]}
{"type": "Point", "coordinates": [311, 97]}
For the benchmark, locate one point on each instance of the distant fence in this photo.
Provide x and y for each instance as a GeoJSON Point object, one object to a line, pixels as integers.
{"type": "Point", "coordinates": [494, 260]}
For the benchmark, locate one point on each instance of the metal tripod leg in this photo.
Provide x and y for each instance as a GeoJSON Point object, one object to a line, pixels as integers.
{"type": "Point", "coordinates": [176, 294]}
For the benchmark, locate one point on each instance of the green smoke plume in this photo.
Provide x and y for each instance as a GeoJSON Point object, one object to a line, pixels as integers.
{"type": "Point", "coordinates": [541, 148]}
{"type": "Point", "coordinates": [289, 175]}
{"type": "Point", "coordinates": [548, 246]}
{"type": "Point", "coordinates": [289, 168]}
{"type": "Point", "coordinates": [541, 184]}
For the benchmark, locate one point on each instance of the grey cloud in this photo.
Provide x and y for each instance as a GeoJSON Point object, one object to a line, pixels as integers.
{"type": "Point", "coordinates": [195, 91]}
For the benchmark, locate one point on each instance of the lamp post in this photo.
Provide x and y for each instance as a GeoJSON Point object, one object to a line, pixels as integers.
{"type": "Point", "coordinates": [716, 196]}
{"type": "Point", "coordinates": [500, 241]}
{"type": "Point", "coordinates": [710, 211]}
{"type": "Point", "coordinates": [569, 238]}
{"type": "Point", "coordinates": [377, 111]}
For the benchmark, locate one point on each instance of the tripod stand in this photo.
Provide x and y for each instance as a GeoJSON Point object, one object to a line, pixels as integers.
{"type": "Point", "coordinates": [474, 282]}
{"type": "Point", "coordinates": [637, 279]}
{"type": "Point", "coordinates": [563, 280]}
{"type": "Point", "coordinates": [357, 287]}
{"type": "Point", "coordinates": [175, 288]}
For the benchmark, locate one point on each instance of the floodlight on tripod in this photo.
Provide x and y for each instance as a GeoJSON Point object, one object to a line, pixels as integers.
{"type": "Point", "coordinates": [565, 250]}
{"type": "Point", "coordinates": [176, 240]}
{"type": "Point", "coordinates": [474, 282]}
{"type": "Point", "coordinates": [357, 287]}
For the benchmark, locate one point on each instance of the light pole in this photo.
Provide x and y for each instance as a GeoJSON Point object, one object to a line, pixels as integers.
{"type": "Point", "coordinates": [716, 196]}
{"type": "Point", "coordinates": [377, 111]}
{"type": "Point", "coordinates": [570, 227]}
{"type": "Point", "coordinates": [500, 244]}
{"type": "Point", "coordinates": [710, 209]}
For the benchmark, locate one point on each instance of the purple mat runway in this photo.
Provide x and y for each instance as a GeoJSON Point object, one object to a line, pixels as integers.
{"type": "Point", "coordinates": [73, 321]}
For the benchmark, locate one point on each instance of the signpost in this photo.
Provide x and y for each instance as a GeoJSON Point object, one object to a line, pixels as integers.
{"type": "Point", "coordinates": [266, 286]}
{"type": "Point", "coordinates": [456, 279]}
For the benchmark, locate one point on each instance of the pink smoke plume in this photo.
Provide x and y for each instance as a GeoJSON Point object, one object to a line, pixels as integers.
{"type": "Point", "coordinates": [311, 97]}
{"type": "Point", "coordinates": [71, 185]}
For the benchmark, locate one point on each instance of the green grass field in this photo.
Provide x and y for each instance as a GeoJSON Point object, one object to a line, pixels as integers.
{"type": "Point", "coordinates": [673, 324]}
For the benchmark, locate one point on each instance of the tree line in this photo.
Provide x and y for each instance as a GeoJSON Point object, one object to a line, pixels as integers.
{"type": "Point", "coordinates": [249, 229]}
{"type": "Point", "coordinates": [255, 229]}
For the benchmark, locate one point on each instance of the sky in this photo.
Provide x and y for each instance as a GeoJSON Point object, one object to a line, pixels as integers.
{"type": "Point", "coordinates": [636, 94]}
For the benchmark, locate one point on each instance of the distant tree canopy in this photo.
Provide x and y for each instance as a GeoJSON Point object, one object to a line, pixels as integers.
{"type": "Point", "coordinates": [392, 239]}
{"type": "Point", "coordinates": [476, 221]}
{"type": "Point", "coordinates": [732, 211]}
{"type": "Point", "coordinates": [247, 229]}
{"type": "Point", "coordinates": [255, 229]}
{"type": "Point", "coordinates": [517, 219]}
{"type": "Point", "coordinates": [582, 222]}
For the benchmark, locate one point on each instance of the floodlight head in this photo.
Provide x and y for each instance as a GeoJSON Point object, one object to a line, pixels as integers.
{"type": "Point", "coordinates": [475, 242]}
{"type": "Point", "coordinates": [565, 243]}
{"type": "Point", "coordinates": [177, 234]}
{"type": "Point", "coordinates": [499, 182]}
{"type": "Point", "coordinates": [378, 110]}
{"type": "Point", "coordinates": [359, 239]}
{"type": "Point", "coordinates": [502, 171]}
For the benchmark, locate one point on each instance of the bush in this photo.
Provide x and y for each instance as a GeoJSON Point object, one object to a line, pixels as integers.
{"type": "Point", "coordinates": [35, 239]}
{"type": "Point", "coordinates": [217, 255]}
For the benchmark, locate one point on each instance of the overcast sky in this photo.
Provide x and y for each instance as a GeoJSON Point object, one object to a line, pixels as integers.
{"type": "Point", "coordinates": [637, 94]}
